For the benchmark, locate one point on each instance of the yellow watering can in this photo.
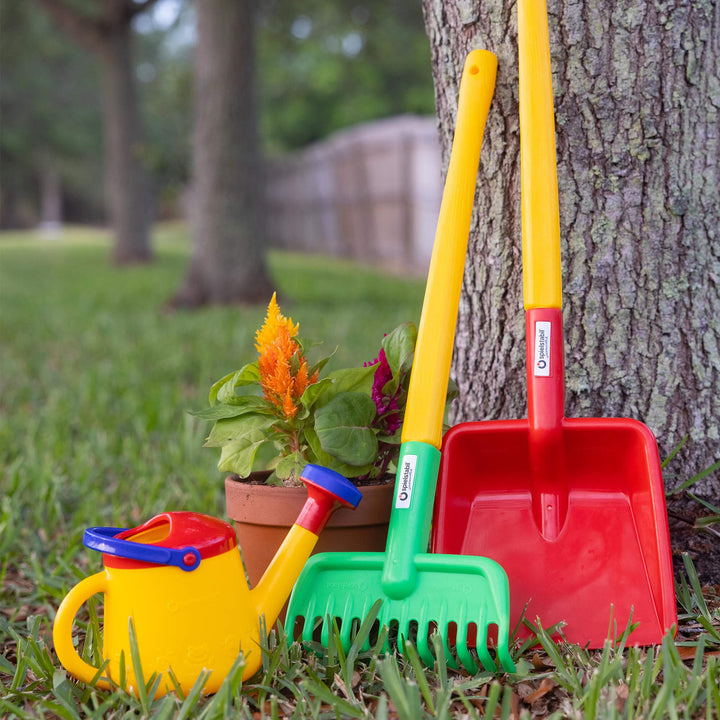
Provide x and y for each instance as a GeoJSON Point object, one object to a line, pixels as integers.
{"type": "Point", "coordinates": [178, 580]}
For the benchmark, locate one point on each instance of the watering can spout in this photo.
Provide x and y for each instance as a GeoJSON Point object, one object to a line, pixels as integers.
{"type": "Point", "coordinates": [327, 491]}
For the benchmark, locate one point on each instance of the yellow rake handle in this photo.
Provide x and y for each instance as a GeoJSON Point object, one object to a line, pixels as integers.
{"type": "Point", "coordinates": [433, 354]}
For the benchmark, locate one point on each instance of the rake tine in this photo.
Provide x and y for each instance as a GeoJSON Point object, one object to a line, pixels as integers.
{"type": "Point", "coordinates": [449, 655]}
{"type": "Point", "coordinates": [325, 630]}
{"type": "Point", "coordinates": [422, 645]}
{"type": "Point", "coordinates": [482, 648]}
{"type": "Point", "coordinates": [348, 621]}
{"type": "Point", "coordinates": [308, 626]}
{"type": "Point", "coordinates": [462, 649]}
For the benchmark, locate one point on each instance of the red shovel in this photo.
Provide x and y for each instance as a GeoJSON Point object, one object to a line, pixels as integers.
{"type": "Point", "coordinates": [572, 509]}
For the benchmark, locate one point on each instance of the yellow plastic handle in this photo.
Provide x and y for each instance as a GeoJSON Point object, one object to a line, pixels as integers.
{"type": "Point", "coordinates": [62, 629]}
{"type": "Point", "coordinates": [433, 354]}
{"type": "Point", "coordinates": [542, 280]}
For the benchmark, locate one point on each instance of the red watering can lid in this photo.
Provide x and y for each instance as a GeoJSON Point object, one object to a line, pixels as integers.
{"type": "Point", "coordinates": [182, 539]}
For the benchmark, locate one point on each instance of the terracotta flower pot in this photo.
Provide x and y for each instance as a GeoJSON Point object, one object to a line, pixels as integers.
{"type": "Point", "coordinates": [263, 514]}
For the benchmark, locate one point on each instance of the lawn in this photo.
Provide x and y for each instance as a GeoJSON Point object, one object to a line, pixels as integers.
{"type": "Point", "coordinates": [96, 379]}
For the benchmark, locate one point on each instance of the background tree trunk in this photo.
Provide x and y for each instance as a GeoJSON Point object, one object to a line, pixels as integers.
{"type": "Point", "coordinates": [128, 187]}
{"type": "Point", "coordinates": [637, 95]}
{"type": "Point", "coordinates": [106, 30]}
{"type": "Point", "coordinates": [228, 262]}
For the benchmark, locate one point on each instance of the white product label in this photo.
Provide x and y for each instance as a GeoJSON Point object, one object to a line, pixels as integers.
{"type": "Point", "coordinates": [542, 349]}
{"type": "Point", "coordinates": [405, 483]}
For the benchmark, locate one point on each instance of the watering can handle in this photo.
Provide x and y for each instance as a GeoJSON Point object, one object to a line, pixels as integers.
{"type": "Point", "coordinates": [62, 629]}
{"type": "Point", "coordinates": [106, 541]}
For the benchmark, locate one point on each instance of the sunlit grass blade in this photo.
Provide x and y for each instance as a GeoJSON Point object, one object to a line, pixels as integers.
{"type": "Point", "coordinates": [674, 452]}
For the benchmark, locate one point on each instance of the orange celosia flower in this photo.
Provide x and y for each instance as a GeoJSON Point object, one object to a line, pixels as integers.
{"type": "Point", "coordinates": [274, 321]}
{"type": "Point", "coordinates": [276, 346]}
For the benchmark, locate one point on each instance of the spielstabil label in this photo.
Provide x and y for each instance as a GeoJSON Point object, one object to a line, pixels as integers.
{"type": "Point", "coordinates": [542, 349]}
{"type": "Point", "coordinates": [405, 483]}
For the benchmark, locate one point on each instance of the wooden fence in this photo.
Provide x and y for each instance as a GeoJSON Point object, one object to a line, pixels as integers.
{"type": "Point", "coordinates": [371, 193]}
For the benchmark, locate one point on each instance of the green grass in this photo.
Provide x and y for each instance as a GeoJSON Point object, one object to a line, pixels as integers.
{"type": "Point", "coordinates": [95, 382]}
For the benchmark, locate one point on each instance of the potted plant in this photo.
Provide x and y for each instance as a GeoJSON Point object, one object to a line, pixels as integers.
{"type": "Point", "coordinates": [278, 413]}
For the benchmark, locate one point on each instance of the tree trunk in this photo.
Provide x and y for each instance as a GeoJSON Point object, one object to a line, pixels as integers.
{"type": "Point", "coordinates": [228, 262]}
{"type": "Point", "coordinates": [127, 183]}
{"type": "Point", "coordinates": [107, 33]}
{"type": "Point", "coordinates": [51, 216]}
{"type": "Point", "coordinates": [637, 95]}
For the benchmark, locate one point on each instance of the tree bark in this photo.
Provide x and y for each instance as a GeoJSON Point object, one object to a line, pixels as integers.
{"type": "Point", "coordinates": [51, 215]}
{"type": "Point", "coordinates": [637, 94]}
{"type": "Point", "coordinates": [108, 35]}
{"type": "Point", "coordinates": [228, 260]}
{"type": "Point", "coordinates": [127, 180]}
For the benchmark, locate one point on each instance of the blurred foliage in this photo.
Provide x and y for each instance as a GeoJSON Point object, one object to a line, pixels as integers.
{"type": "Point", "coordinates": [327, 65]}
{"type": "Point", "coordinates": [321, 65]}
{"type": "Point", "coordinates": [164, 70]}
{"type": "Point", "coordinates": [49, 109]}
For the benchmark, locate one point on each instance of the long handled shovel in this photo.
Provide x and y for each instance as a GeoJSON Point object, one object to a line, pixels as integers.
{"type": "Point", "coordinates": [421, 592]}
{"type": "Point", "coordinates": [573, 509]}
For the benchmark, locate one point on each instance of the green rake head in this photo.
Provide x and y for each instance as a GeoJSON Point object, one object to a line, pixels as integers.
{"type": "Point", "coordinates": [458, 597]}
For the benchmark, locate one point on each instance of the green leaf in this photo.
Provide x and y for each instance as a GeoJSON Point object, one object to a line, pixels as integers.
{"type": "Point", "coordinates": [291, 466]}
{"type": "Point", "coordinates": [306, 346]}
{"type": "Point", "coordinates": [320, 364]}
{"type": "Point", "coordinates": [328, 461]}
{"type": "Point", "coordinates": [343, 428]}
{"type": "Point", "coordinates": [216, 412]}
{"type": "Point", "coordinates": [353, 380]}
{"type": "Point", "coordinates": [229, 429]}
{"type": "Point", "coordinates": [312, 392]}
{"type": "Point", "coordinates": [224, 389]}
{"type": "Point", "coordinates": [238, 456]}
{"type": "Point", "coordinates": [399, 347]}
{"type": "Point", "coordinates": [215, 389]}
{"type": "Point", "coordinates": [250, 404]}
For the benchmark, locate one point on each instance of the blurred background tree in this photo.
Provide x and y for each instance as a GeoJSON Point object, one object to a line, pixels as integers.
{"type": "Point", "coordinates": [106, 31]}
{"type": "Point", "coordinates": [321, 67]}
{"type": "Point", "coordinates": [50, 113]}
{"type": "Point", "coordinates": [227, 216]}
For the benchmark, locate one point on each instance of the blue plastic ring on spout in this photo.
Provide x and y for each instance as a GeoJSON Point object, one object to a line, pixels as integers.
{"type": "Point", "coordinates": [104, 540]}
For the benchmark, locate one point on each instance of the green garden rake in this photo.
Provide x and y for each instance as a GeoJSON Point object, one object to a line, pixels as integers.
{"type": "Point", "coordinates": [421, 593]}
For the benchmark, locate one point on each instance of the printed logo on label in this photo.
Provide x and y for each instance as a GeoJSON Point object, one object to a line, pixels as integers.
{"type": "Point", "coordinates": [542, 349]}
{"type": "Point", "coordinates": [405, 484]}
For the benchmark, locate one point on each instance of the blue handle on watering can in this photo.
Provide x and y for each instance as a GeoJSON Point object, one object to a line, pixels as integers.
{"type": "Point", "coordinates": [104, 540]}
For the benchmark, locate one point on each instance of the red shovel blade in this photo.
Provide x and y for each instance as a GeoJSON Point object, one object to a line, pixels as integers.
{"type": "Point", "coordinates": [611, 556]}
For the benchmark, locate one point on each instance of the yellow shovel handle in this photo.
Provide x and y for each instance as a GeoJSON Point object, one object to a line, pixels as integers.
{"type": "Point", "coordinates": [433, 353]}
{"type": "Point", "coordinates": [542, 281]}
